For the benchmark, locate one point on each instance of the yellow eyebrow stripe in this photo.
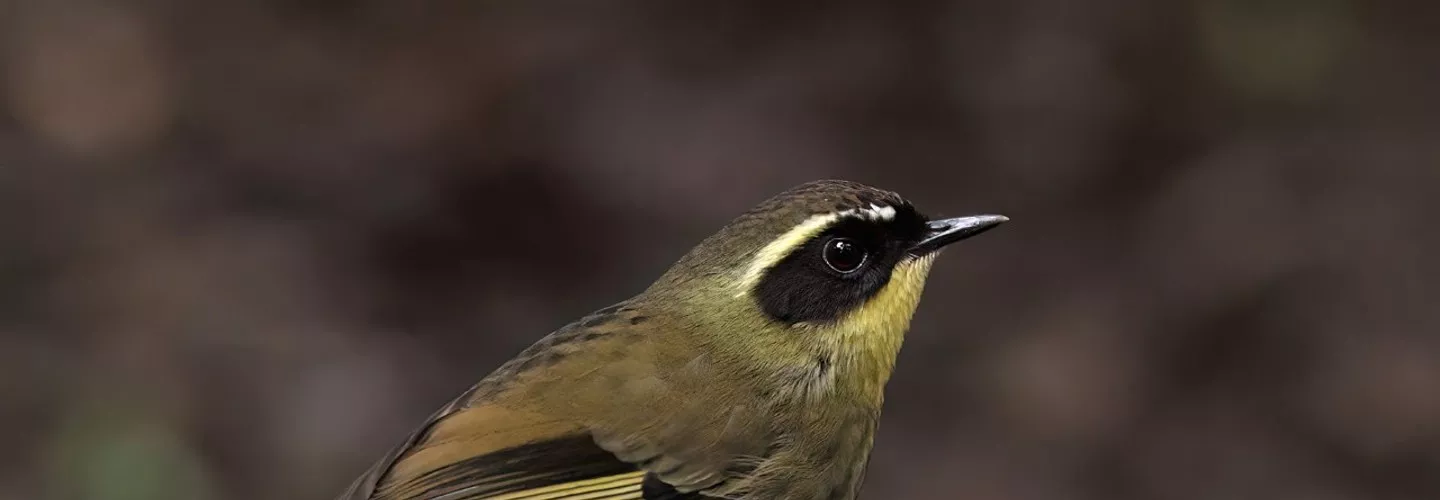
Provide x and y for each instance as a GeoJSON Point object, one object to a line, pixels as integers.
{"type": "Point", "coordinates": [776, 250]}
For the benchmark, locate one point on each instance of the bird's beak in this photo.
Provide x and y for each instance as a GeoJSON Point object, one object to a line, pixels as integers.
{"type": "Point", "coordinates": [946, 231]}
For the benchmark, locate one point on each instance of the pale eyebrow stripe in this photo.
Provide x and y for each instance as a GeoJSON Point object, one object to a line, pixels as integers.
{"type": "Point", "coordinates": [781, 247]}
{"type": "Point", "coordinates": [776, 250]}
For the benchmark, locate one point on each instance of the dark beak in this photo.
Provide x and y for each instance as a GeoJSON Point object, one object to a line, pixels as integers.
{"type": "Point", "coordinates": [947, 231]}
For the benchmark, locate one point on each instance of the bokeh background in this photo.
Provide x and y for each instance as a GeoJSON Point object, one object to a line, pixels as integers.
{"type": "Point", "coordinates": [246, 246]}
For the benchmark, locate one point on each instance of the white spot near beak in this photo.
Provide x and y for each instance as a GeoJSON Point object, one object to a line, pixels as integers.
{"type": "Point", "coordinates": [878, 212]}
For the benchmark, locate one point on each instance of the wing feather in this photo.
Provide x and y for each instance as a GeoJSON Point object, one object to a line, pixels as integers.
{"type": "Point", "coordinates": [495, 443]}
{"type": "Point", "coordinates": [494, 453]}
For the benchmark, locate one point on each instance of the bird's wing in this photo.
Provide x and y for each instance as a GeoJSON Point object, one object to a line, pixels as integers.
{"type": "Point", "coordinates": [542, 460]}
{"type": "Point", "coordinates": [482, 447]}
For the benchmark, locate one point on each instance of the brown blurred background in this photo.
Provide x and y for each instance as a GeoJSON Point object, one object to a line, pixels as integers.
{"type": "Point", "coordinates": [246, 246]}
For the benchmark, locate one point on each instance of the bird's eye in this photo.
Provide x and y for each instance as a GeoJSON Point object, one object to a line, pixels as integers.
{"type": "Point", "coordinates": [844, 255]}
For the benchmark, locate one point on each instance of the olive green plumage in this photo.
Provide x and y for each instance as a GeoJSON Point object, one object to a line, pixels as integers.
{"type": "Point", "coordinates": [753, 369]}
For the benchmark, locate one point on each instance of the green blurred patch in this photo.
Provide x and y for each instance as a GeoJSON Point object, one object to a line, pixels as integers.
{"type": "Point", "coordinates": [1283, 50]}
{"type": "Point", "coordinates": [115, 452]}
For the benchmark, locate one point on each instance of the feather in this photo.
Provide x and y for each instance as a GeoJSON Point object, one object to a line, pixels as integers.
{"type": "Point", "coordinates": [480, 447]}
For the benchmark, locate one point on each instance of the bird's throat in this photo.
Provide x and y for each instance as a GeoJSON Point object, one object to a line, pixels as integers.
{"type": "Point", "coordinates": [867, 341]}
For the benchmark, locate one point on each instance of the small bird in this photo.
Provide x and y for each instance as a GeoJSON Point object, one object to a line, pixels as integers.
{"type": "Point", "coordinates": [754, 368]}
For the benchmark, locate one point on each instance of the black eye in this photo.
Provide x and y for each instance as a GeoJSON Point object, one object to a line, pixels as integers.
{"type": "Point", "coordinates": [844, 255]}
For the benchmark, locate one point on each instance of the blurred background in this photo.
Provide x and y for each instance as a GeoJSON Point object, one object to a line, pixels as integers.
{"type": "Point", "coordinates": [247, 246]}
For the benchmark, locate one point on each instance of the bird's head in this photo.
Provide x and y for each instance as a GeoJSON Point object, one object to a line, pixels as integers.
{"type": "Point", "coordinates": [827, 273]}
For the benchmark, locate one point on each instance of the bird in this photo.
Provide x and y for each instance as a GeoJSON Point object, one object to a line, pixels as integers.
{"type": "Point", "coordinates": [754, 368]}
